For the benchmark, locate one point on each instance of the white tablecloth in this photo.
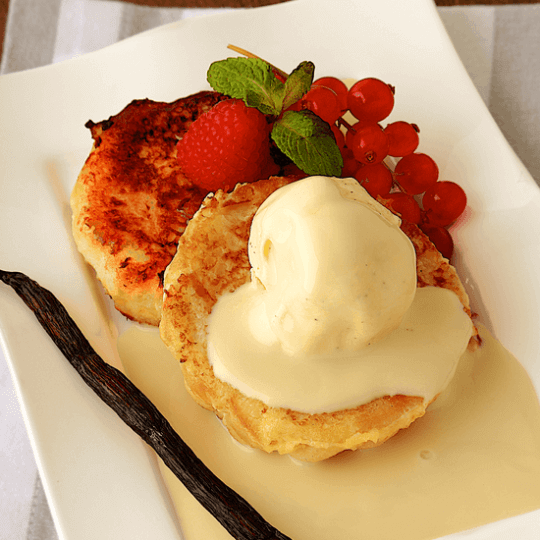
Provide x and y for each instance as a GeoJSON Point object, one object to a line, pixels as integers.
{"type": "Point", "coordinates": [500, 47]}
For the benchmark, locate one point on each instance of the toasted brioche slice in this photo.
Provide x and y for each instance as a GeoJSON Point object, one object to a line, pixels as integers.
{"type": "Point", "coordinates": [212, 259]}
{"type": "Point", "coordinates": [131, 202]}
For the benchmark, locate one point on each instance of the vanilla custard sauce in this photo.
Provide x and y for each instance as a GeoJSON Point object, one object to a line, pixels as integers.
{"type": "Point", "coordinates": [403, 362]}
{"type": "Point", "coordinates": [474, 458]}
{"type": "Point", "coordinates": [332, 317]}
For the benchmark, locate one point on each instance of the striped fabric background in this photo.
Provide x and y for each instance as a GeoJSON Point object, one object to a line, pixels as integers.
{"type": "Point", "coordinates": [498, 44]}
{"type": "Point", "coordinates": [500, 47]}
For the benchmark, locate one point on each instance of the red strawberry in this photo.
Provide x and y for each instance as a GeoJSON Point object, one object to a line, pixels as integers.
{"type": "Point", "coordinates": [227, 145]}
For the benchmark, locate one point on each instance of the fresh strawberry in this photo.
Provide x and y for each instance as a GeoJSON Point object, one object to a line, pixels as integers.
{"type": "Point", "coordinates": [227, 145]}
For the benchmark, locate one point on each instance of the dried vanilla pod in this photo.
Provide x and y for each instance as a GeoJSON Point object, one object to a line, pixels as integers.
{"type": "Point", "coordinates": [234, 513]}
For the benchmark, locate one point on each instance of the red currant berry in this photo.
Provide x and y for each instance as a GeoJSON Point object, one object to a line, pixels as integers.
{"type": "Point", "coordinates": [375, 179]}
{"type": "Point", "coordinates": [443, 203]}
{"type": "Point", "coordinates": [338, 87]}
{"type": "Point", "coordinates": [323, 102]}
{"type": "Point", "coordinates": [350, 165]}
{"type": "Point", "coordinates": [370, 99]}
{"type": "Point", "coordinates": [296, 106]}
{"type": "Point", "coordinates": [351, 132]}
{"type": "Point", "coordinates": [416, 172]}
{"type": "Point", "coordinates": [402, 138]}
{"type": "Point", "coordinates": [404, 205]}
{"type": "Point", "coordinates": [441, 238]}
{"type": "Point", "coordinates": [369, 144]}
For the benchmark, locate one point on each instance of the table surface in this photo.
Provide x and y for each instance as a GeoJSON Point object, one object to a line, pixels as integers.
{"type": "Point", "coordinates": [4, 6]}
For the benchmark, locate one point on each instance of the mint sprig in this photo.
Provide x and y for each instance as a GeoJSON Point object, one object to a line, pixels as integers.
{"type": "Point", "coordinates": [250, 79]}
{"type": "Point", "coordinates": [298, 83]}
{"type": "Point", "coordinates": [309, 142]}
{"type": "Point", "coordinates": [302, 136]}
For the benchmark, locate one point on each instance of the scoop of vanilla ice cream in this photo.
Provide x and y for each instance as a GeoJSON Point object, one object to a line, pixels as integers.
{"type": "Point", "coordinates": [337, 272]}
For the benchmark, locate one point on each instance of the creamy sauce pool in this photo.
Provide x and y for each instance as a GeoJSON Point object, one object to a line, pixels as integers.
{"type": "Point", "coordinates": [474, 458]}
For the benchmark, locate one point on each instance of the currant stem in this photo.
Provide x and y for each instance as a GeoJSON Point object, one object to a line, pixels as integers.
{"type": "Point", "coordinates": [342, 122]}
{"type": "Point", "coordinates": [395, 183]}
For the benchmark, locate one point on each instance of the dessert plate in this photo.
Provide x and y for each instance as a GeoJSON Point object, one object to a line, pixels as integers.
{"type": "Point", "coordinates": [100, 479]}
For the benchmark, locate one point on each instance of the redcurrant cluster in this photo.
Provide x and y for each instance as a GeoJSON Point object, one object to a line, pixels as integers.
{"type": "Point", "coordinates": [413, 188]}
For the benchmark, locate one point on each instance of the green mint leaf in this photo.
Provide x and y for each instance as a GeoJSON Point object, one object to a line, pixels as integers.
{"type": "Point", "coordinates": [250, 79]}
{"type": "Point", "coordinates": [298, 83]}
{"type": "Point", "coordinates": [309, 142]}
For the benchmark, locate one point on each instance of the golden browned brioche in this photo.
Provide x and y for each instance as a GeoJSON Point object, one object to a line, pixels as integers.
{"type": "Point", "coordinates": [131, 203]}
{"type": "Point", "coordinates": [212, 259]}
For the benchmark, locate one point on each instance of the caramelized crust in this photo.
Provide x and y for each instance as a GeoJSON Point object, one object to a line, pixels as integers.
{"type": "Point", "coordinates": [131, 202]}
{"type": "Point", "coordinates": [211, 260]}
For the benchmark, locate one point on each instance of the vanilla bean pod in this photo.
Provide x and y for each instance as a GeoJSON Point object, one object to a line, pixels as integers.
{"type": "Point", "coordinates": [234, 513]}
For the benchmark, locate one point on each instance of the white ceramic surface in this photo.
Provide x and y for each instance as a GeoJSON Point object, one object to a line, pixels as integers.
{"type": "Point", "coordinates": [100, 479]}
